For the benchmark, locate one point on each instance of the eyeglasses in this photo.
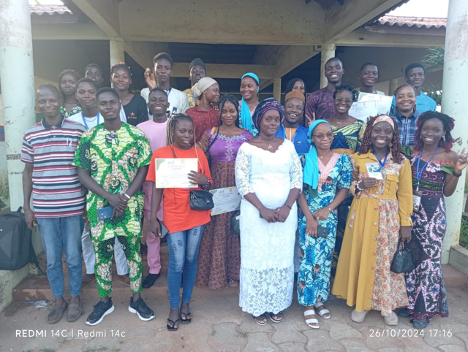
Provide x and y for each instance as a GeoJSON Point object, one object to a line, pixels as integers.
{"type": "Point", "coordinates": [340, 100]}
{"type": "Point", "coordinates": [329, 135]}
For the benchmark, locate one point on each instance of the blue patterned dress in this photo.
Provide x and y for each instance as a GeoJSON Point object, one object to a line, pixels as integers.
{"type": "Point", "coordinates": [313, 282]}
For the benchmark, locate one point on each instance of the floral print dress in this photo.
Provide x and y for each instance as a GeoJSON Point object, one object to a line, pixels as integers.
{"type": "Point", "coordinates": [313, 283]}
{"type": "Point", "coordinates": [425, 284]}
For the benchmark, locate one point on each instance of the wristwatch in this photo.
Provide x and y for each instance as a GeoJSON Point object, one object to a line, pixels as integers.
{"type": "Point", "coordinates": [127, 196]}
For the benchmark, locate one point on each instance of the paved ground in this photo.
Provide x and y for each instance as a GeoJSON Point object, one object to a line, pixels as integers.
{"type": "Point", "coordinates": [220, 325]}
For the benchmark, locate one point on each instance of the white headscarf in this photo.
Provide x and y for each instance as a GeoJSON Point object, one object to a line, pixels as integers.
{"type": "Point", "coordinates": [202, 85]}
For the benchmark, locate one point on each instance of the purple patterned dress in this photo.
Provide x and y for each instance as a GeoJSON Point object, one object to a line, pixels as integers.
{"type": "Point", "coordinates": [425, 285]}
{"type": "Point", "coordinates": [219, 255]}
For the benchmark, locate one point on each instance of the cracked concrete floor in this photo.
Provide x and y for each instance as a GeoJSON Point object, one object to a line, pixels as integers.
{"type": "Point", "coordinates": [220, 325]}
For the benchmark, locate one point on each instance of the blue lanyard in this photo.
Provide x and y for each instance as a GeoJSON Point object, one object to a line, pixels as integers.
{"type": "Point", "coordinates": [382, 164]}
{"type": "Point", "coordinates": [84, 120]}
{"type": "Point", "coordinates": [419, 174]}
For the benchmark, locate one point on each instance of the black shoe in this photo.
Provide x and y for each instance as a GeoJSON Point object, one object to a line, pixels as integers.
{"type": "Point", "coordinates": [139, 307]}
{"type": "Point", "coordinates": [100, 310]}
{"type": "Point", "coordinates": [149, 280]}
{"type": "Point", "coordinates": [143, 249]}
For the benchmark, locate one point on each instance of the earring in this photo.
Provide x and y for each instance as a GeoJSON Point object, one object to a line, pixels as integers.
{"type": "Point", "coordinates": [442, 139]}
{"type": "Point", "coordinates": [390, 145]}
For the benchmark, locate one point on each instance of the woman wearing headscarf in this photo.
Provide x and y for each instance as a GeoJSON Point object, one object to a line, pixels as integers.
{"type": "Point", "coordinates": [204, 116]}
{"type": "Point", "coordinates": [249, 90]}
{"type": "Point", "coordinates": [327, 178]}
{"type": "Point", "coordinates": [269, 179]}
{"type": "Point", "coordinates": [380, 214]}
{"type": "Point", "coordinates": [219, 258]}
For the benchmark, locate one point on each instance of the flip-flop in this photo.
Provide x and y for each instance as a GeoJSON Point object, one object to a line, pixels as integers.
{"type": "Point", "coordinates": [271, 315]}
{"type": "Point", "coordinates": [172, 328]}
{"type": "Point", "coordinates": [258, 321]}
{"type": "Point", "coordinates": [185, 318]}
{"type": "Point", "coordinates": [311, 321]}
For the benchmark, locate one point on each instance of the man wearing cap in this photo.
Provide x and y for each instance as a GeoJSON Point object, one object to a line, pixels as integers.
{"type": "Point", "coordinates": [291, 130]}
{"type": "Point", "coordinates": [178, 102]}
{"type": "Point", "coordinates": [197, 70]}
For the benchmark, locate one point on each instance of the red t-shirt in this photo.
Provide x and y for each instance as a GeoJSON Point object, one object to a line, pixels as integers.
{"type": "Point", "coordinates": [177, 213]}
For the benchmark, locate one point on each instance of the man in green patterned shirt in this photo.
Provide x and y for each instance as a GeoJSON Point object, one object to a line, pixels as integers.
{"type": "Point", "coordinates": [112, 160]}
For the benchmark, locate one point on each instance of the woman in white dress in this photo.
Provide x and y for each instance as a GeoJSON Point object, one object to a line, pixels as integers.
{"type": "Point", "coordinates": [269, 178]}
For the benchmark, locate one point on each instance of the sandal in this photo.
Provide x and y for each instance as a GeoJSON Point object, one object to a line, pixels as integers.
{"type": "Point", "coordinates": [172, 328]}
{"type": "Point", "coordinates": [278, 315]}
{"type": "Point", "coordinates": [233, 283]}
{"type": "Point", "coordinates": [311, 320]}
{"type": "Point", "coordinates": [260, 320]}
{"type": "Point", "coordinates": [322, 312]}
{"type": "Point", "coordinates": [404, 313]}
{"type": "Point", "coordinates": [185, 318]}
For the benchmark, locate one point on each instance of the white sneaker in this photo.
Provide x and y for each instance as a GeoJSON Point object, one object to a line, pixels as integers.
{"type": "Point", "coordinates": [391, 320]}
{"type": "Point", "coordinates": [358, 317]}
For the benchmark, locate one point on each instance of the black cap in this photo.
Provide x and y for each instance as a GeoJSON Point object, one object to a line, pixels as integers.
{"type": "Point", "coordinates": [163, 56]}
{"type": "Point", "coordinates": [197, 62]}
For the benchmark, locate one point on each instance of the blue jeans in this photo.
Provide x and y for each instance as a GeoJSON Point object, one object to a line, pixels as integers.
{"type": "Point", "coordinates": [183, 256]}
{"type": "Point", "coordinates": [59, 235]}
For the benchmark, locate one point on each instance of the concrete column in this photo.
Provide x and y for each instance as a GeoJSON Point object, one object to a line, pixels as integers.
{"type": "Point", "coordinates": [454, 87]}
{"type": "Point", "coordinates": [328, 51]}
{"type": "Point", "coordinates": [393, 86]}
{"type": "Point", "coordinates": [277, 89]}
{"type": "Point", "coordinates": [17, 76]}
{"type": "Point", "coordinates": [117, 51]}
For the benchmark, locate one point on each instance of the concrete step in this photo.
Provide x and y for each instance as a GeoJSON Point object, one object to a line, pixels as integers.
{"type": "Point", "coordinates": [36, 287]}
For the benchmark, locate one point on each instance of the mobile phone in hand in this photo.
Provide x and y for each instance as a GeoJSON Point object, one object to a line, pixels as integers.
{"type": "Point", "coordinates": [105, 213]}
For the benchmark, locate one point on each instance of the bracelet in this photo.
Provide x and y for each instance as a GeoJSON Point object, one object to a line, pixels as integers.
{"type": "Point", "coordinates": [206, 184]}
{"type": "Point", "coordinates": [330, 209]}
{"type": "Point", "coordinates": [127, 196]}
{"type": "Point", "coordinates": [359, 189]}
{"type": "Point", "coordinates": [289, 207]}
{"type": "Point", "coordinates": [456, 175]}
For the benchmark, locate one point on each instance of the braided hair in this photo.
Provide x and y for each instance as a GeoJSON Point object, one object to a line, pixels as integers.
{"type": "Point", "coordinates": [402, 86]}
{"type": "Point", "coordinates": [126, 68]}
{"type": "Point", "coordinates": [171, 125]}
{"type": "Point", "coordinates": [447, 121]}
{"type": "Point", "coordinates": [395, 148]}
{"type": "Point", "coordinates": [348, 87]}
{"type": "Point", "coordinates": [63, 73]}
{"type": "Point", "coordinates": [222, 101]}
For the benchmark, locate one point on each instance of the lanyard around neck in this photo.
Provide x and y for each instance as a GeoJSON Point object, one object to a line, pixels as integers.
{"type": "Point", "coordinates": [419, 174]}
{"type": "Point", "coordinates": [84, 120]}
{"type": "Point", "coordinates": [382, 164]}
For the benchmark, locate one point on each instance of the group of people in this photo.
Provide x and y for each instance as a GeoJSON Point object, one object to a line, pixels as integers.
{"type": "Point", "coordinates": [318, 187]}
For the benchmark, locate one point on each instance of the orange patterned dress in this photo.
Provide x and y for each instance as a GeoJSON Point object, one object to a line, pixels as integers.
{"type": "Point", "coordinates": [363, 275]}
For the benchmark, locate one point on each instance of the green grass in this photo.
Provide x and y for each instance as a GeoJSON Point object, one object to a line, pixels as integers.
{"type": "Point", "coordinates": [464, 232]}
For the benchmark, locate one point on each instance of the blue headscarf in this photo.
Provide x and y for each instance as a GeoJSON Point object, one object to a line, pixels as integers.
{"type": "Point", "coordinates": [311, 168]}
{"type": "Point", "coordinates": [246, 118]}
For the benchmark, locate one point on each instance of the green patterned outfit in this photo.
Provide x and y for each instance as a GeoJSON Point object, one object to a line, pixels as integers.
{"type": "Point", "coordinates": [113, 159]}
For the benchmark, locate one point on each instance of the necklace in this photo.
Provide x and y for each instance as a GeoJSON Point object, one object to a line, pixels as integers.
{"type": "Point", "coordinates": [269, 146]}
{"type": "Point", "coordinates": [325, 156]}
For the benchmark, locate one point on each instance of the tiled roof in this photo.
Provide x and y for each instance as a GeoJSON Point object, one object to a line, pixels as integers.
{"type": "Point", "coordinates": [50, 10]}
{"type": "Point", "coordinates": [419, 22]}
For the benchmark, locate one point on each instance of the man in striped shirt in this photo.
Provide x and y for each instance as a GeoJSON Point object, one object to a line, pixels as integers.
{"type": "Point", "coordinates": [58, 197]}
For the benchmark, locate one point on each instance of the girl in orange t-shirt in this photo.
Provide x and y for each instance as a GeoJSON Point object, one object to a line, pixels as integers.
{"type": "Point", "coordinates": [185, 225]}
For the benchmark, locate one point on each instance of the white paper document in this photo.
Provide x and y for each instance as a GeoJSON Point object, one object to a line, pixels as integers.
{"type": "Point", "coordinates": [225, 200]}
{"type": "Point", "coordinates": [173, 173]}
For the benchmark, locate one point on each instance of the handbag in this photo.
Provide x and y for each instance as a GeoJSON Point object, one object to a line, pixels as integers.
{"type": "Point", "coordinates": [235, 225]}
{"type": "Point", "coordinates": [201, 200]}
{"type": "Point", "coordinates": [403, 259]}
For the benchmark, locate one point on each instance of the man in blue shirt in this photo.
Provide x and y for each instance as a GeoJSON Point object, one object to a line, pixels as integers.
{"type": "Point", "coordinates": [415, 75]}
{"type": "Point", "coordinates": [291, 130]}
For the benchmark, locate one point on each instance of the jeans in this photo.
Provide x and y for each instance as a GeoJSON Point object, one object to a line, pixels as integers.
{"type": "Point", "coordinates": [60, 235]}
{"type": "Point", "coordinates": [183, 256]}
{"type": "Point", "coordinates": [89, 256]}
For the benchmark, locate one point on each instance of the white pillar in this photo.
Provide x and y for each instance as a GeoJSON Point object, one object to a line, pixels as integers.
{"type": "Point", "coordinates": [328, 51]}
{"type": "Point", "coordinates": [117, 51]}
{"type": "Point", "coordinates": [277, 89]}
{"type": "Point", "coordinates": [17, 73]}
{"type": "Point", "coordinates": [393, 86]}
{"type": "Point", "coordinates": [454, 88]}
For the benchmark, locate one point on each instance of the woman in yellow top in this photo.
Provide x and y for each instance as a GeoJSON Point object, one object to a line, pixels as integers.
{"type": "Point", "coordinates": [379, 215]}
